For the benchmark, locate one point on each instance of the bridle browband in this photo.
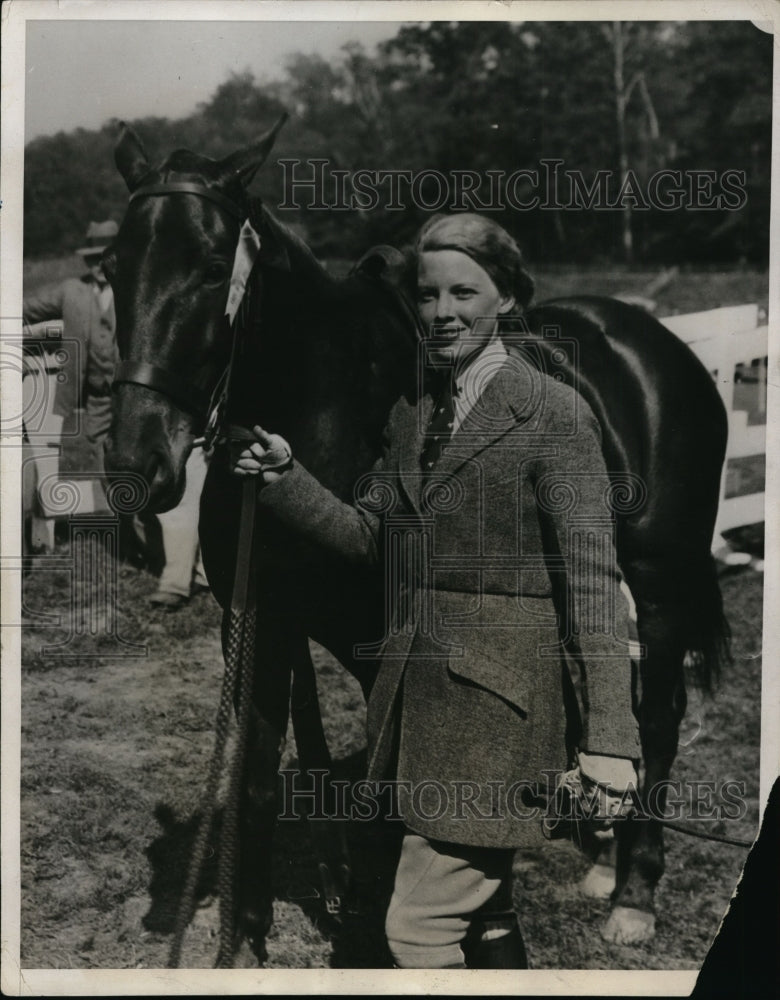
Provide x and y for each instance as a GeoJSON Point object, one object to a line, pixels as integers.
{"type": "Point", "coordinates": [190, 187]}
{"type": "Point", "coordinates": [188, 397]}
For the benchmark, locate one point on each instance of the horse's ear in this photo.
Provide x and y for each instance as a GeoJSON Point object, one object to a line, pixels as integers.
{"type": "Point", "coordinates": [244, 164]}
{"type": "Point", "coordinates": [130, 156]}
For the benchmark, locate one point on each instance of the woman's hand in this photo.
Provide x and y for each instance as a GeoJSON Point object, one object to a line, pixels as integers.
{"type": "Point", "coordinates": [613, 780]}
{"type": "Point", "coordinates": [269, 457]}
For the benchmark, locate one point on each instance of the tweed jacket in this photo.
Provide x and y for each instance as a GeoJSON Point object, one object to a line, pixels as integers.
{"type": "Point", "coordinates": [90, 333]}
{"type": "Point", "coordinates": [512, 587]}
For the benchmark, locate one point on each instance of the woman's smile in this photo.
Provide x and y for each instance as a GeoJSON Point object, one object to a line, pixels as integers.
{"type": "Point", "coordinates": [458, 304]}
{"type": "Point", "coordinates": [451, 332]}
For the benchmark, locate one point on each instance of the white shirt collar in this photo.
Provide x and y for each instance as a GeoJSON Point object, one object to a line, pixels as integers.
{"type": "Point", "coordinates": [471, 382]}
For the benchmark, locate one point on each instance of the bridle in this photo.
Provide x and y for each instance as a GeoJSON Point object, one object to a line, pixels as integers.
{"type": "Point", "coordinates": [192, 398]}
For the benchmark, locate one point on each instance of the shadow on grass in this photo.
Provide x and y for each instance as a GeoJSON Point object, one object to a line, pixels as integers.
{"type": "Point", "coordinates": [357, 938]}
{"type": "Point", "coordinates": [169, 856]}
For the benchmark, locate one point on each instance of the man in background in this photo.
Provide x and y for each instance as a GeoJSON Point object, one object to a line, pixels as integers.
{"type": "Point", "coordinates": [85, 305]}
{"type": "Point", "coordinates": [88, 355]}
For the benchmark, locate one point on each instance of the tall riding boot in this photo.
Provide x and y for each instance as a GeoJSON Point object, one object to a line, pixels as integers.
{"type": "Point", "coordinates": [494, 941]}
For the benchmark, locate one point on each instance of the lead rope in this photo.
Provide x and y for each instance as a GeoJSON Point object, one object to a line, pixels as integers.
{"type": "Point", "coordinates": [208, 809]}
{"type": "Point", "coordinates": [240, 654]}
{"type": "Point", "coordinates": [239, 660]}
{"type": "Point", "coordinates": [239, 668]}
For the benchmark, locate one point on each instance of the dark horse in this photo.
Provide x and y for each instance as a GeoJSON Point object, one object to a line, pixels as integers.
{"type": "Point", "coordinates": [321, 362]}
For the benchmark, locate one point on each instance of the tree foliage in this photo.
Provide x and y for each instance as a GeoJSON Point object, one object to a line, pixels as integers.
{"type": "Point", "coordinates": [475, 96]}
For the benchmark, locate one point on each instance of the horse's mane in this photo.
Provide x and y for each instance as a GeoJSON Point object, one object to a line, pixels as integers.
{"type": "Point", "coordinates": [284, 250]}
{"type": "Point", "coordinates": [381, 270]}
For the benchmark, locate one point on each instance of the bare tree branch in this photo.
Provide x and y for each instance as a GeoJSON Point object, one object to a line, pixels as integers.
{"type": "Point", "coordinates": [652, 118]}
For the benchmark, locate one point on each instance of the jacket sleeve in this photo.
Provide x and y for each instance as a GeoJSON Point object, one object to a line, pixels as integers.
{"type": "Point", "coordinates": [300, 501]}
{"type": "Point", "coordinates": [581, 529]}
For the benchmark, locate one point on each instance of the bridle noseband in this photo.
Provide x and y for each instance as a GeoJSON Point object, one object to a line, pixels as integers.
{"type": "Point", "coordinates": [186, 396]}
{"type": "Point", "coordinates": [191, 398]}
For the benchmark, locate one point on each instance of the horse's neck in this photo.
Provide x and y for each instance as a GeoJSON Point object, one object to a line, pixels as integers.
{"type": "Point", "coordinates": [325, 362]}
{"type": "Point", "coordinates": [358, 324]}
{"type": "Point", "coordinates": [282, 250]}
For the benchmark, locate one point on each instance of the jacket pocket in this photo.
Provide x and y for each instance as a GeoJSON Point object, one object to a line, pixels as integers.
{"type": "Point", "coordinates": [511, 661]}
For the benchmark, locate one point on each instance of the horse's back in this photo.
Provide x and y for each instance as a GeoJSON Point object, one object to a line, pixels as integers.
{"type": "Point", "coordinates": [661, 416]}
{"type": "Point", "coordinates": [664, 432]}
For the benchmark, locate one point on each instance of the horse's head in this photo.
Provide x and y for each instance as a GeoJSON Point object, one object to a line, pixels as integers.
{"type": "Point", "coordinates": [170, 268]}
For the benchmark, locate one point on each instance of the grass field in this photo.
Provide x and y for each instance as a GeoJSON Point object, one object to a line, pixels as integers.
{"type": "Point", "coordinates": [115, 751]}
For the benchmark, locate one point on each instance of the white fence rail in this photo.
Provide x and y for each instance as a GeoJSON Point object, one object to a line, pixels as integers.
{"type": "Point", "coordinates": [733, 348]}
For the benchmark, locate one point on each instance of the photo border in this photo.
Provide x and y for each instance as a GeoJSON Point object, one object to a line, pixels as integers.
{"type": "Point", "coordinates": [58, 982]}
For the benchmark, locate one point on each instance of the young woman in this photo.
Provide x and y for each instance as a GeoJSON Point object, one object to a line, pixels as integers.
{"type": "Point", "coordinates": [512, 590]}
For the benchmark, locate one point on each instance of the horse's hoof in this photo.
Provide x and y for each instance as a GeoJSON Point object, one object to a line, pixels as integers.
{"type": "Point", "coordinates": [253, 927]}
{"type": "Point", "coordinates": [599, 882]}
{"type": "Point", "coordinates": [335, 885]}
{"type": "Point", "coordinates": [250, 956]}
{"type": "Point", "coordinates": [629, 926]}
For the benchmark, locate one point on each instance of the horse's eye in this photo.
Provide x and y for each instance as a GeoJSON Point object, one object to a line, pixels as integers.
{"type": "Point", "coordinates": [216, 272]}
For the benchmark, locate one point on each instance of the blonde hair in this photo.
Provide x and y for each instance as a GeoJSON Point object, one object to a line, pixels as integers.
{"type": "Point", "coordinates": [487, 243]}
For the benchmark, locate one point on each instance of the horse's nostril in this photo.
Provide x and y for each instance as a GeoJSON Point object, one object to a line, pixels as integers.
{"type": "Point", "coordinates": [153, 467]}
{"type": "Point", "coordinates": [157, 472]}
{"type": "Point", "coordinates": [161, 477]}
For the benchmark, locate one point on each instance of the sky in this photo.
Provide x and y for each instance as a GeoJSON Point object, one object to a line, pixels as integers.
{"type": "Point", "coordinates": [81, 73]}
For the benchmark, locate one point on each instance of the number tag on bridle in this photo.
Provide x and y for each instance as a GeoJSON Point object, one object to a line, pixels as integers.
{"type": "Point", "coordinates": [246, 253]}
{"type": "Point", "coordinates": [247, 250]}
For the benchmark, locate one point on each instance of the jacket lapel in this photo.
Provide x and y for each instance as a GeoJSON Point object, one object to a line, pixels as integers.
{"type": "Point", "coordinates": [498, 410]}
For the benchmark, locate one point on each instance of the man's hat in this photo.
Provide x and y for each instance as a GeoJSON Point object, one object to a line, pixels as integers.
{"type": "Point", "coordinates": [99, 236]}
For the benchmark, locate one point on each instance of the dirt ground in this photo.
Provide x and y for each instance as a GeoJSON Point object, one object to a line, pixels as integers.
{"type": "Point", "coordinates": [115, 751]}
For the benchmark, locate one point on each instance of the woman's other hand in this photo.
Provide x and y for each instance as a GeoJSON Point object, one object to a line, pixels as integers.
{"type": "Point", "coordinates": [268, 456]}
{"type": "Point", "coordinates": [617, 773]}
{"type": "Point", "coordinates": [613, 780]}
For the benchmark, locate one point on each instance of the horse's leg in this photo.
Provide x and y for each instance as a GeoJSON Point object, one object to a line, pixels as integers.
{"type": "Point", "coordinates": [260, 785]}
{"type": "Point", "coordinates": [328, 829]}
{"type": "Point", "coordinates": [599, 883]}
{"type": "Point", "coordinates": [640, 852]}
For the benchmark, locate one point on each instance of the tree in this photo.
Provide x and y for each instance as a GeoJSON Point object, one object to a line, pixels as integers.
{"type": "Point", "coordinates": [496, 96]}
{"type": "Point", "coordinates": [617, 36]}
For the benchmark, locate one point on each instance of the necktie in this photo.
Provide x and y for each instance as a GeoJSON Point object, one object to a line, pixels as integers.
{"type": "Point", "coordinates": [439, 429]}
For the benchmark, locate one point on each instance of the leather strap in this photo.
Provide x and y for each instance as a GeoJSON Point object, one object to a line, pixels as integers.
{"type": "Point", "coordinates": [236, 432]}
{"type": "Point", "coordinates": [243, 597]}
{"type": "Point", "coordinates": [188, 187]}
{"type": "Point", "coordinates": [188, 397]}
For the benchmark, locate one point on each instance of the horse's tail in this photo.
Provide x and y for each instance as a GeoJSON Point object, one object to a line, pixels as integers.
{"type": "Point", "coordinates": [706, 629]}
